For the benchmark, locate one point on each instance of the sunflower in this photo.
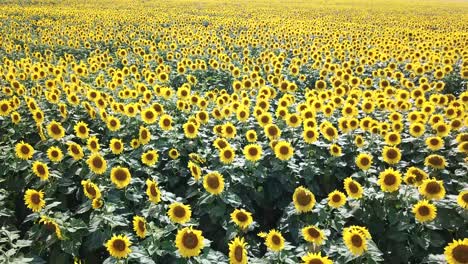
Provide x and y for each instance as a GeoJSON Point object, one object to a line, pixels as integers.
{"type": "Point", "coordinates": [316, 258]}
{"type": "Point", "coordinates": [135, 143]}
{"type": "Point", "coordinates": [51, 225]}
{"type": "Point", "coordinates": [190, 130]}
{"type": "Point", "coordinates": [415, 176]}
{"type": "Point", "coordinates": [417, 129]}
{"type": "Point", "coordinates": [213, 183]}
{"type": "Point", "coordinates": [253, 152]}
{"type": "Point", "coordinates": [359, 141]}
{"type": "Point", "coordinates": [424, 211]}
{"type": "Point", "coordinates": [391, 155]}
{"type": "Point", "coordinates": [81, 130]}
{"type": "Point", "coordinates": [75, 151]}
{"type": "Point", "coordinates": [392, 138]}
{"type": "Point", "coordinates": [435, 161]}
{"type": "Point", "coordinates": [462, 199]}
{"type": "Point", "coordinates": [355, 241]}
{"type": "Point", "coordinates": [221, 143]}
{"type": "Point", "coordinates": [97, 163]}
{"type": "Point", "coordinates": [434, 143]}
{"type": "Point", "coordinates": [364, 161]}
{"type": "Point", "coordinates": [335, 150]}
{"type": "Point", "coordinates": [389, 180]}
{"type": "Point", "coordinates": [55, 154]}
{"type": "Point", "coordinates": [293, 120]}
{"type": "Point", "coordinates": [179, 213]}
{"type": "Point", "coordinates": [229, 130]}
{"type": "Point", "coordinates": [329, 132]}
{"type": "Point", "coordinates": [55, 130]}
{"type": "Point", "coordinates": [251, 136]}
{"type": "Point", "coordinates": [272, 131]}
{"type": "Point", "coordinates": [119, 246]}
{"type": "Point", "coordinates": [457, 252]}
{"type": "Point", "coordinates": [336, 199]}
{"type": "Point", "coordinates": [274, 240]}
{"type": "Point", "coordinates": [24, 150]}
{"type": "Point", "coordinates": [144, 135]}
{"type": "Point", "coordinates": [15, 117]}
{"type": "Point", "coordinates": [303, 199]}
{"type": "Point", "coordinates": [153, 192]}
{"type": "Point", "coordinates": [227, 155]}
{"type": "Point", "coordinates": [165, 122]}
{"type": "Point", "coordinates": [189, 242]}
{"type": "Point", "coordinates": [150, 157]}
{"type": "Point", "coordinates": [442, 129]}
{"type": "Point", "coordinates": [463, 147]}
{"type": "Point", "coordinates": [173, 153]}
{"type": "Point", "coordinates": [283, 150]}
{"type": "Point", "coordinates": [139, 226]}
{"type": "Point", "coordinates": [116, 145]}
{"type": "Point", "coordinates": [313, 234]}
{"type": "Point", "coordinates": [34, 200]}
{"type": "Point", "coordinates": [242, 218]}
{"type": "Point", "coordinates": [195, 170]}
{"type": "Point", "coordinates": [237, 251]}
{"type": "Point", "coordinates": [120, 176]}
{"type": "Point", "coordinates": [310, 135]}
{"type": "Point", "coordinates": [90, 189]}
{"type": "Point", "coordinates": [353, 188]}
{"type": "Point", "coordinates": [148, 115]}
{"type": "Point", "coordinates": [432, 189]}
{"type": "Point", "coordinates": [41, 170]}
{"type": "Point", "coordinates": [97, 203]}
{"type": "Point", "coordinates": [93, 144]}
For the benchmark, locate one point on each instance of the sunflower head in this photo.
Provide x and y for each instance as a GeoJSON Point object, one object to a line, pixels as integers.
{"type": "Point", "coordinates": [391, 155]}
{"type": "Point", "coordinates": [424, 211]}
{"type": "Point", "coordinates": [432, 189]}
{"type": "Point", "coordinates": [153, 192]}
{"type": "Point", "coordinates": [24, 151]}
{"type": "Point", "coordinates": [242, 218]}
{"type": "Point", "coordinates": [213, 183]}
{"type": "Point", "coordinates": [456, 252]}
{"type": "Point", "coordinates": [237, 251]}
{"type": "Point", "coordinates": [389, 180]}
{"type": "Point", "coordinates": [179, 212]}
{"type": "Point", "coordinates": [355, 238]}
{"type": "Point", "coordinates": [435, 161]}
{"type": "Point", "coordinates": [313, 234]}
{"type": "Point", "coordinates": [253, 152]}
{"type": "Point", "coordinates": [34, 200]}
{"type": "Point", "coordinates": [41, 170]}
{"type": "Point", "coordinates": [303, 199]}
{"type": "Point", "coordinates": [274, 240]}
{"type": "Point", "coordinates": [119, 246]}
{"type": "Point", "coordinates": [97, 163]}
{"type": "Point", "coordinates": [336, 199]}
{"type": "Point", "coordinates": [139, 226]}
{"type": "Point", "coordinates": [283, 150]}
{"type": "Point", "coordinates": [189, 242]}
{"type": "Point", "coordinates": [316, 258]}
{"type": "Point", "coordinates": [462, 199]}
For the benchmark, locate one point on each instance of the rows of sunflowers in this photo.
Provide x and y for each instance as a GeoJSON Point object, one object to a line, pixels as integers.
{"type": "Point", "coordinates": [233, 131]}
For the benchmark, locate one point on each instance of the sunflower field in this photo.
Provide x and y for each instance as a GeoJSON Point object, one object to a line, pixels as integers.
{"type": "Point", "coordinates": [216, 131]}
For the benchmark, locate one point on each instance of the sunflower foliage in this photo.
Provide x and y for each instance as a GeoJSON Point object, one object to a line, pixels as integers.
{"type": "Point", "coordinates": [233, 132]}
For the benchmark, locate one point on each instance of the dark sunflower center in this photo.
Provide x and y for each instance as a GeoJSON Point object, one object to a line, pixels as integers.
{"type": "Point", "coordinates": [120, 175]}
{"type": "Point", "coordinates": [433, 188]}
{"type": "Point", "coordinates": [393, 137]}
{"type": "Point", "coordinates": [40, 169]}
{"type": "Point", "coordinates": [436, 161]}
{"type": "Point", "coordinates": [460, 253]}
{"type": "Point", "coordinates": [241, 216]}
{"type": "Point", "coordinates": [149, 156]}
{"type": "Point", "coordinates": [93, 144]}
{"type": "Point", "coordinates": [227, 154]}
{"type": "Point", "coordinates": [465, 197]}
{"type": "Point", "coordinates": [303, 198]}
{"type": "Point", "coordinates": [153, 190]}
{"type": "Point", "coordinates": [179, 211]}
{"type": "Point", "coordinates": [365, 161]}
{"type": "Point", "coordinates": [190, 240]}
{"type": "Point", "coordinates": [4, 107]}
{"type": "Point", "coordinates": [166, 122]}
{"type": "Point", "coordinates": [390, 179]}
{"type": "Point", "coordinates": [213, 182]}
{"type": "Point", "coordinates": [117, 145]}
{"type": "Point", "coordinates": [353, 188]}
{"type": "Point", "coordinates": [74, 149]}
{"type": "Point", "coordinates": [330, 132]}
{"type": "Point", "coordinates": [191, 128]}
{"type": "Point", "coordinates": [54, 153]}
{"type": "Point", "coordinates": [424, 210]}
{"type": "Point", "coordinates": [313, 232]}
{"type": "Point", "coordinates": [90, 189]}
{"type": "Point", "coordinates": [272, 131]}
{"type": "Point", "coordinates": [144, 134]}
{"type": "Point", "coordinates": [222, 144]}
{"type": "Point", "coordinates": [97, 162]}
{"type": "Point", "coordinates": [336, 198]}
{"type": "Point", "coordinates": [284, 150]}
{"type": "Point", "coordinates": [113, 123]}
{"type": "Point", "coordinates": [119, 245]}
{"type": "Point", "coordinates": [392, 154]}
{"type": "Point", "coordinates": [149, 115]}
{"type": "Point", "coordinates": [238, 253]}
{"type": "Point", "coordinates": [434, 142]}
{"type": "Point", "coordinates": [356, 240]}
{"type": "Point", "coordinates": [55, 129]}
{"type": "Point", "coordinates": [35, 198]}
{"type": "Point", "coordinates": [310, 134]}
{"type": "Point", "coordinates": [276, 239]}
{"type": "Point", "coordinates": [50, 226]}
{"type": "Point", "coordinates": [293, 119]}
{"type": "Point", "coordinates": [82, 129]}
{"type": "Point", "coordinates": [417, 129]}
{"type": "Point", "coordinates": [315, 261]}
{"type": "Point", "coordinates": [24, 149]}
{"type": "Point", "coordinates": [141, 226]}
{"type": "Point", "coordinates": [253, 151]}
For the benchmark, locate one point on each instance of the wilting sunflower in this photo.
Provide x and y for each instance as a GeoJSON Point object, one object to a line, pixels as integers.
{"type": "Point", "coordinates": [55, 130]}
{"type": "Point", "coordinates": [81, 130]}
{"type": "Point", "coordinates": [335, 150]}
{"type": "Point", "coordinates": [90, 189]}
{"type": "Point", "coordinates": [462, 199]}
{"type": "Point", "coordinates": [173, 153]}
{"type": "Point", "coordinates": [303, 199]}
{"type": "Point", "coordinates": [313, 234]}
{"type": "Point", "coordinates": [41, 170]}
{"type": "Point", "coordinates": [144, 135]}
{"type": "Point", "coordinates": [139, 226]}
{"type": "Point", "coordinates": [179, 213]}
{"type": "Point", "coordinates": [213, 183]}
{"type": "Point", "coordinates": [75, 151]}
{"type": "Point", "coordinates": [97, 163]}
{"type": "Point", "coordinates": [336, 199]}
{"type": "Point", "coordinates": [424, 211]}
{"type": "Point", "coordinates": [457, 252]}
{"type": "Point", "coordinates": [189, 242]}
{"type": "Point", "coordinates": [364, 161]}
{"type": "Point", "coordinates": [150, 157]}
{"type": "Point", "coordinates": [51, 225]}
{"type": "Point", "coordinates": [389, 180]}
{"type": "Point", "coordinates": [116, 145]}
{"type": "Point", "coordinates": [283, 150]}
{"type": "Point", "coordinates": [119, 246]}
{"type": "Point", "coordinates": [253, 152]}
{"type": "Point", "coordinates": [242, 218]}
{"type": "Point", "coordinates": [148, 115]}
{"type": "Point", "coordinates": [34, 200]}
{"type": "Point", "coordinates": [274, 240]}
{"type": "Point", "coordinates": [432, 189]}
{"type": "Point", "coordinates": [153, 192]}
{"type": "Point", "coordinates": [227, 155]}
{"type": "Point", "coordinates": [54, 154]}
{"type": "Point", "coordinates": [238, 251]}
{"type": "Point", "coordinates": [353, 188]}
{"type": "Point", "coordinates": [190, 130]}
{"type": "Point", "coordinates": [120, 176]}
{"type": "Point", "coordinates": [434, 143]}
{"type": "Point", "coordinates": [355, 241]}
{"type": "Point", "coordinates": [316, 258]}
{"type": "Point", "coordinates": [93, 144]}
{"type": "Point", "coordinates": [391, 155]}
{"type": "Point", "coordinates": [435, 161]}
{"type": "Point", "coordinates": [24, 150]}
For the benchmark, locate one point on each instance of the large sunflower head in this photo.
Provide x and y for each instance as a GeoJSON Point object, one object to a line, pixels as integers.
{"type": "Point", "coordinates": [335, 150]}
{"type": "Point", "coordinates": [456, 252]}
{"type": "Point", "coordinates": [189, 242]}
{"type": "Point", "coordinates": [336, 199]}
{"type": "Point", "coordinates": [274, 240]}
{"type": "Point", "coordinates": [165, 122]}
{"type": "Point", "coordinates": [227, 155]}
{"type": "Point", "coordinates": [55, 130]}
{"type": "Point", "coordinates": [253, 152]}
{"type": "Point", "coordinates": [41, 170]}
{"type": "Point", "coordinates": [153, 192]}
{"type": "Point", "coordinates": [238, 251]}
{"type": "Point", "coordinates": [34, 200]}
{"type": "Point", "coordinates": [229, 130]}
{"type": "Point", "coordinates": [435, 161]}
{"type": "Point", "coordinates": [283, 150]}
{"type": "Point", "coordinates": [251, 136]}
{"type": "Point", "coordinates": [391, 155]}
{"type": "Point", "coordinates": [148, 115]}
{"type": "Point", "coordinates": [90, 189]}
{"type": "Point", "coordinates": [353, 188]}
{"type": "Point", "coordinates": [424, 211]}
{"type": "Point", "coordinates": [389, 180]}
{"type": "Point", "coordinates": [316, 258]}
{"type": "Point", "coordinates": [272, 131]}
{"type": "Point", "coordinates": [213, 183]}
{"type": "Point", "coordinates": [55, 154]}
{"type": "Point", "coordinates": [432, 189]}
{"type": "Point", "coordinates": [120, 176]}
{"type": "Point", "coordinates": [364, 161]}
{"type": "Point", "coordinates": [190, 130]}
{"type": "Point", "coordinates": [179, 212]}
{"type": "Point", "coordinates": [434, 143]}
{"type": "Point", "coordinates": [139, 226]}
{"type": "Point", "coordinates": [93, 144]}
{"type": "Point", "coordinates": [97, 163]}
{"type": "Point", "coordinates": [150, 157]}
{"type": "Point", "coordinates": [392, 138]}
{"type": "Point", "coordinates": [116, 145]}
{"type": "Point", "coordinates": [417, 129]}
{"type": "Point", "coordinates": [303, 199]}
{"type": "Point", "coordinates": [119, 246]}
{"type": "Point", "coordinates": [242, 218]}
{"type": "Point", "coordinates": [313, 234]}
{"type": "Point", "coordinates": [355, 241]}
{"type": "Point", "coordinates": [462, 199]}
{"type": "Point", "coordinates": [75, 151]}
{"type": "Point", "coordinates": [51, 225]}
{"type": "Point", "coordinates": [24, 150]}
